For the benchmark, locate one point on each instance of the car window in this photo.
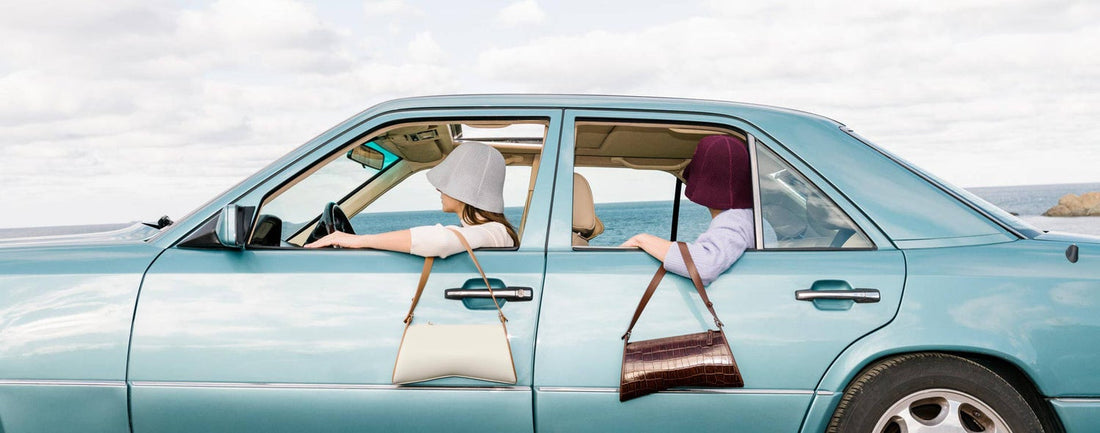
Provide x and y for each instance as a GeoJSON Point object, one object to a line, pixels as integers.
{"type": "Point", "coordinates": [797, 214]}
{"type": "Point", "coordinates": [381, 184]}
{"type": "Point", "coordinates": [631, 171]}
{"type": "Point", "coordinates": [300, 204]}
{"type": "Point", "coordinates": [630, 201]}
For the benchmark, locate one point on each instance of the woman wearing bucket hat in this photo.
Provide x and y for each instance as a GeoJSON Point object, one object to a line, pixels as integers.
{"type": "Point", "coordinates": [470, 182]}
{"type": "Point", "coordinates": [719, 178]}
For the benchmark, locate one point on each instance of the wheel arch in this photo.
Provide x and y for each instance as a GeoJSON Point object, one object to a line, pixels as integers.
{"type": "Point", "coordinates": [1007, 367]}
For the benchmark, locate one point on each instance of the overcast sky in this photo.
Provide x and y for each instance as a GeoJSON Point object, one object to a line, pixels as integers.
{"type": "Point", "coordinates": [114, 111]}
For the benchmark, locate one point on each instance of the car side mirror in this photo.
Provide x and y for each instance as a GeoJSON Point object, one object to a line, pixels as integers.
{"type": "Point", "coordinates": [233, 224]}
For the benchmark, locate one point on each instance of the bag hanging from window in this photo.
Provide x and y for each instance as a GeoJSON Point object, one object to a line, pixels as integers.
{"type": "Point", "coordinates": [694, 360]}
{"type": "Point", "coordinates": [430, 351]}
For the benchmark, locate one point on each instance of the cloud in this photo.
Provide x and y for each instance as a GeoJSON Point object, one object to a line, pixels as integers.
{"type": "Point", "coordinates": [424, 48]}
{"type": "Point", "coordinates": [113, 119]}
{"type": "Point", "coordinates": [520, 13]}
{"type": "Point", "coordinates": [381, 9]}
{"type": "Point", "coordinates": [970, 79]}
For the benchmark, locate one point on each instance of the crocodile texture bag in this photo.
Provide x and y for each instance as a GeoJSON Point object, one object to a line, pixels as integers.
{"type": "Point", "coordinates": [694, 360]}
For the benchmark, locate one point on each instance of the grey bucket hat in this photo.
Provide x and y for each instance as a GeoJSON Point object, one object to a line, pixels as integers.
{"type": "Point", "coordinates": [474, 174]}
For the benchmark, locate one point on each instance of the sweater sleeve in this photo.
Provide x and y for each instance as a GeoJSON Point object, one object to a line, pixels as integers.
{"type": "Point", "coordinates": [439, 241]}
{"type": "Point", "coordinates": [716, 249]}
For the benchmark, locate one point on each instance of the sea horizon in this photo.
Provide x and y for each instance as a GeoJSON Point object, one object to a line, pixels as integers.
{"type": "Point", "coordinates": [1028, 202]}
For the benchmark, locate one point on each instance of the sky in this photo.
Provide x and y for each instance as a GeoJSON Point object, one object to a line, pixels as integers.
{"type": "Point", "coordinates": [124, 110]}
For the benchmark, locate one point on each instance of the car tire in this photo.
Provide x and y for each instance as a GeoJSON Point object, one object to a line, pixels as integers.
{"type": "Point", "coordinates": [932, 392]}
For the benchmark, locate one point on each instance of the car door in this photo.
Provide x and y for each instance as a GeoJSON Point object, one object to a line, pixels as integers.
{"type": "Point", "coordinates": [290, 339]}
{"type": "Point", "coordinates": [782, 344]}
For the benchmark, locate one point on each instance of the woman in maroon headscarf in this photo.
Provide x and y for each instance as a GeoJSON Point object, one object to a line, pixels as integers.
{"type": "Point", "coordinates": [719, 178]}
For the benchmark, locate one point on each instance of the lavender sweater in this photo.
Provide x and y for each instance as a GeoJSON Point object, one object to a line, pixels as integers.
{"type": "Point", "coordinates": [728, 236]}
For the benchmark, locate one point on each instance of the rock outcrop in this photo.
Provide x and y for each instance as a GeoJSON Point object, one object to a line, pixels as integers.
{"type": "Point", "coordinates": [1087, 204]}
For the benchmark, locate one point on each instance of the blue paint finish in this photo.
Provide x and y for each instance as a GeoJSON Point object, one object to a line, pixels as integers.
{"type": "Point", "coordinates": [170, 409]}
{"type": "Point", "coordinates": [820, 413]}
{"type": "Point", "coordinates": [569, 412]}
{"type": "Point", "coordinates": [66, 315]}
{"type": "Point", "coordinates": [53, 408]}
{"type": "Point", "coordinates": [1078, 416]}
{"type": "Point", "coordinates": [66, 311]}
{"type": "Point", "coordinates": [1022, 302]}
{"type": "Point", "coordinates": [324, 316]}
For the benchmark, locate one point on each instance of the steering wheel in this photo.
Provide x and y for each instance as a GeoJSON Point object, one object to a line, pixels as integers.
{"type": "Point", "coordinates": [333, 219]}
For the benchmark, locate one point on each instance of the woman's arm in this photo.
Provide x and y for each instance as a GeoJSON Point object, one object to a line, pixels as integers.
{"type": "Point", "coordinates": [652, 245]}
{"type": "Point", "coordinates": [400, 241]}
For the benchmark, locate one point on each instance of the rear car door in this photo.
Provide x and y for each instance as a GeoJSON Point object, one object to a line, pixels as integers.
{"type": "Point", "coordinates": [782, 344]}
{"type": "Point", "coordinates": [279, 338]}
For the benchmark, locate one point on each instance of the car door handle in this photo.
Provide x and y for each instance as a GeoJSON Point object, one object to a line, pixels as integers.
{"type": "Point", "coordinates": [514, 294]}
{"type": "Point", "coordinates": [860, 296]}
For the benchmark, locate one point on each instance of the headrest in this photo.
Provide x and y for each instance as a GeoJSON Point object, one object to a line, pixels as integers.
{"type": "Point", "coordinates": [584, 210]}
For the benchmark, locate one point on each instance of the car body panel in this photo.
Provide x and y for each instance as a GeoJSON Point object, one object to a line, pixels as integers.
{"type": "Point", "coordinates": [64, 334]}
{"type": "Point", "coordinates": [239, 408]}
{"type": "Point", "coordinates": [299, 328]}
{"type": "Point", "coordinates": [1021, 302]}
{"type": "Point", "coordinates": [1077, 415]}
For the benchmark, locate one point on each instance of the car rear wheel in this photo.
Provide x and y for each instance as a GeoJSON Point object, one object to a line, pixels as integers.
{"type": "Point", "coordinates": [932, 392]}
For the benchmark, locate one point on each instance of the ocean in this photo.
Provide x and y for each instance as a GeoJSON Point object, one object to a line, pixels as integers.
{"type": "Point", "coordinates": [623, 220]}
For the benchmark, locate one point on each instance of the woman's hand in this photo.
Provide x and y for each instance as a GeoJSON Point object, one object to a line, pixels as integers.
{"type": "Point", "coordinates": [339, 239]}
{"type": "Point", "coordinates": [652, 245]}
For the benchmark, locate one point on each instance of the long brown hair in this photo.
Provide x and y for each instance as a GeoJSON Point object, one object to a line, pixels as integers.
{"type": "Point", "coordinates": [472, 215]}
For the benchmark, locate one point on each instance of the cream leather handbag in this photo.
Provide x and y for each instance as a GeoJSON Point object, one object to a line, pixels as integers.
{"type": "Point", "coordinates": [430, 351]}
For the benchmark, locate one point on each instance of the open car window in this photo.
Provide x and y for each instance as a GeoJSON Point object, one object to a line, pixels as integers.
{"type": "Point", "coordinates": [380, 182]}
{"type": "Point", "coordinates": [629, 172]}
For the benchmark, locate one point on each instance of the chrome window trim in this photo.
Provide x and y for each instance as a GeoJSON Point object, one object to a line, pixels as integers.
{"type": "Point", "coordinates": [288, 385]}
{"type": "Point", "coordinates": [46, 382]}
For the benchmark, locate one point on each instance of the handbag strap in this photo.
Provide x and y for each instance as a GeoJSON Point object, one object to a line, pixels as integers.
{"type": "Point", "coordinates": [428, 269]}
{"type": "Point", "coordinates": [420, 287]}
{"type": "Point", "coordinates": [695, 279]}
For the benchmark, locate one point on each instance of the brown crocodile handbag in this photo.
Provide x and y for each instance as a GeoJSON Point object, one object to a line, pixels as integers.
{"type": "Point", "coordinates": [694, 360]}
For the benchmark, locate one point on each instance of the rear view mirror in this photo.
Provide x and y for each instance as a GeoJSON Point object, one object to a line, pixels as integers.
{"type": "Point", "coordinates": [367, 156]}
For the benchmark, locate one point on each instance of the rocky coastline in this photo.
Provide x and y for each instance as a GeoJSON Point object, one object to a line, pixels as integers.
{"type": "Point", "coordinates": [1070, 205]}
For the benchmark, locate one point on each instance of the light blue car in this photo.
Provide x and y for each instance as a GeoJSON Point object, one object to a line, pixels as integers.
{"type": "Point", "coordinates": [877, 297]}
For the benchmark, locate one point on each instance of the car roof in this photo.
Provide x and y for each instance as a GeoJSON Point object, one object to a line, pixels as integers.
{"type": "Point", "coordinates": [577, 101]}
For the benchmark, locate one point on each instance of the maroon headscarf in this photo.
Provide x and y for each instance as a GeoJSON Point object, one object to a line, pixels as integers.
{"type": "Point", "coordinates": [718, 175]}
